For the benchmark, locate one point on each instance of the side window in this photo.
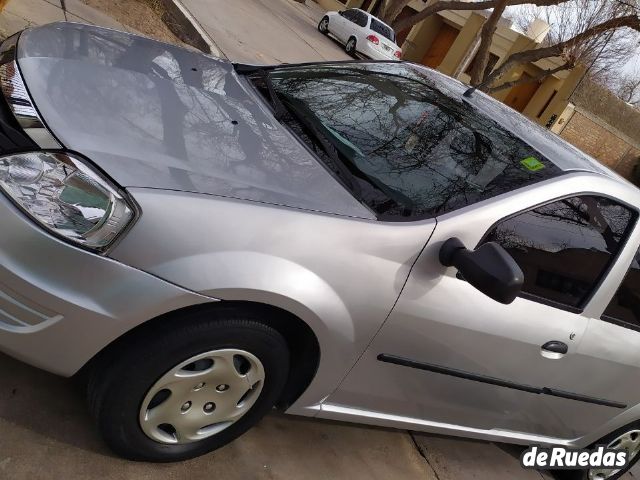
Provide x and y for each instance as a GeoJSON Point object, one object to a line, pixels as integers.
{"type": "Point", "coordinates": [362, 19]}
{"type": "Point", "coordinates": [565, 247]}
{"type": "Point", "coordinates": [350, 15]}
{"type": "Point", "coordinates": [625, 305]}
{"type": "Point", "coordinates": [356, 16]}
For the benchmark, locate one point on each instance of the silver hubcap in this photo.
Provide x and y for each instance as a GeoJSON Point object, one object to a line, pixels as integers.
{"type": "Point", "coordinates": [351, 44]}
{"type": "Point", "coordinates": [324, 25]}
{"type": "Point", "coordinates": [629, 441]}
{"type": "Point", "coordinates": [202, 396]}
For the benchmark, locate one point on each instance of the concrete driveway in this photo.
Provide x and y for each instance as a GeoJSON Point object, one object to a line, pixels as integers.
{"type": "Point", "coordinates": [266, 31]}
{"type": "Point", "coordinates": [46, 433]}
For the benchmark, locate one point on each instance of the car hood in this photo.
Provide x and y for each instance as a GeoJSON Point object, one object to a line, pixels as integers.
{"type": "Point", "coordinates": [157, 116]}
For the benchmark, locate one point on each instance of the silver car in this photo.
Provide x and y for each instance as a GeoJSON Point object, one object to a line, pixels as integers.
{"type": "Point", "coordinates": [357, 241]}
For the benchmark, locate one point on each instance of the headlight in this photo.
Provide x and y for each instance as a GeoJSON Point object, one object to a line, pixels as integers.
{"type": "Point", "coordinates": [66, 196]}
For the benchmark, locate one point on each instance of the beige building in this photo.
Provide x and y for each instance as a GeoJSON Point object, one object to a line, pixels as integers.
{"type": "Point", "coordinates": [448, 41]}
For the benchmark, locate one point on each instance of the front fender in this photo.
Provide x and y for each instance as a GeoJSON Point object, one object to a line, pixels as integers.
{"type": "Point", "coordinates": [340, 275]}
{"type": "Point", "coordinates": [257, 277]}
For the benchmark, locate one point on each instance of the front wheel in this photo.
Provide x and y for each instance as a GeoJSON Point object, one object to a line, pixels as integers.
{"type": "Point", "coordinates": [323, 26]}
{"type": "Point", "coordinates": [184, 391]}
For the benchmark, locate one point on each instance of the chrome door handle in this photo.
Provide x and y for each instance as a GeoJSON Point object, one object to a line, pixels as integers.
{"type": "Point", "coordinates": [556, 347]}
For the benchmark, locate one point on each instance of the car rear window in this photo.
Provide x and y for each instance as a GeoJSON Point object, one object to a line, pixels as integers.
{"type": "Point", "coordinates": [415, 151]}
{"type": "Point", "coordinates": [384, 30]}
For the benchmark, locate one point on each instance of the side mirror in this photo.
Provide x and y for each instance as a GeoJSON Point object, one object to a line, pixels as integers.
{"type": "Point", "coordinates": [341, 13]}
{"type": "Point", "coordinates": [489, 268]}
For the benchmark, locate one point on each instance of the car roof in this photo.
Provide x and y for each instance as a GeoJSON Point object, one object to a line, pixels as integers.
{"type": "Point", "coordinates": [372, 16]}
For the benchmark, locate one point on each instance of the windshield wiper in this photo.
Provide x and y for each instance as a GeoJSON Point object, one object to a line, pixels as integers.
{"type": "Point", "coordinates": [300, 113]}
{"type": "Point", "coordinates": [281, 110]}
{"type": "Point", "coordinates": [339, 154]}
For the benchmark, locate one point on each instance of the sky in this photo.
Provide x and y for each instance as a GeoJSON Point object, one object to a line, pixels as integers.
{"type": "Point", "coordinates": [633, 64]}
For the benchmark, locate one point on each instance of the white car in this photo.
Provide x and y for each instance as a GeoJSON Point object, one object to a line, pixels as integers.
{"type": "Point", "coordinates": [362, 33]}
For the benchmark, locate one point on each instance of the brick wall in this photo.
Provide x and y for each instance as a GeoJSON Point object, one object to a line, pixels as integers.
{"type": "Point", "coordinates": [594, 137]}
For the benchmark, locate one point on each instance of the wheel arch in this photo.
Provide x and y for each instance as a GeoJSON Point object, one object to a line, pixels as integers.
{"type": "Point", "coordinates": [302, 341]}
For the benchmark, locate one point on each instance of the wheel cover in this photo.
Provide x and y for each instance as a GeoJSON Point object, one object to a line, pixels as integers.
{"type": "Point", "coordinates": [324, 24]}
{"type": "Point", "coordinates": [351, 44]}
{"type": "Point", "coordinates": [629, 441]}
{"type": "Point", "coordinates": [201, 396]}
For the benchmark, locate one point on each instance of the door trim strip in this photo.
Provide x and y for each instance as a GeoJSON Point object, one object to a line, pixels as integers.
{"type": "Point", "coordinates": [474, 377]}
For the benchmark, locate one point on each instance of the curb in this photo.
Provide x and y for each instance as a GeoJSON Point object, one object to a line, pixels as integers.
{"type": "Point", "coordinates": [185, 26]}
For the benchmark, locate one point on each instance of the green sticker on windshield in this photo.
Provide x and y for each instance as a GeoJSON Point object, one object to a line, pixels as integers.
{"type": "Point", "coordinates": [532, 164]}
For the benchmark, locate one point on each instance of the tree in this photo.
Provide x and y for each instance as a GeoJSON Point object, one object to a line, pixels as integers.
{"type": "Point", "coordinates": [583, 32]}
{"type": "Point", "coordinates": [479, 70]}
{"type": "Point", "coordinates": [602, 53]}
{"type": "Point", "coordinates": [627, 88]}
{"type": "Point", "coordinates": [585, 36]}
{"type": "Point", "coordinates": [392, 9]}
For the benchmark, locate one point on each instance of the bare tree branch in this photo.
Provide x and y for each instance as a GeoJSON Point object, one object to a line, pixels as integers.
{"type": "Point", "coordinates": [562, 49]}
{"type": "Point", "coordinates": [462, 5]}
{"type": "Point", "coordinates": [529, 79]}
{"type": "Point", "coordinates": [486, 39]}
{"type": "Point", "coordinates": [627, 88]}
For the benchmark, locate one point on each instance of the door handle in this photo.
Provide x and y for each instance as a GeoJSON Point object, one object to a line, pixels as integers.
{"type": "Point", "coordinates": [554, 349]}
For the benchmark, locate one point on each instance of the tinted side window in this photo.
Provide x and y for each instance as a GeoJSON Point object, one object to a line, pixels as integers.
{"type": "Point", "coordinates": [566, 246]}
{"type": "Point", "coordinates": [625, 305]}
{"type": "Point", "coordinates": [350, 15]}
{"type": "Point", "coordinates": [382, 29]}
{"type": "Point", "coordinates": [360, 18]}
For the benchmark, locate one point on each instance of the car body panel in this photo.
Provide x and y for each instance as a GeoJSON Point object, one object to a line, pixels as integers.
{"type": "Point", "coordinates": [182, 120]}
{"type": "Point", "coordinates": [324, 269]}
{"type": "Point", "coordinates": [76, 302]}
{"type": "Point", "coordinates": [440, 319]}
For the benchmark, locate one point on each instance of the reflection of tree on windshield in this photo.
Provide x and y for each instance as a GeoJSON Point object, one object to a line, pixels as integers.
{"type": "Point", "coordinates": [436, 151]}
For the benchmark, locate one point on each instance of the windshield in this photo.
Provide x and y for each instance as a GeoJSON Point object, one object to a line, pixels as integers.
{"type": "Point", "coordinates": [384, 30]}
{"type": "Point", "coordinates": [423, 152]}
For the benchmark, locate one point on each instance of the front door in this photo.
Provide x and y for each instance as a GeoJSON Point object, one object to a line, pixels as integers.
{"type": "Point", "coordinates": [440, 46]}
{"type": "Point", "coordinates": [520, 95]}
{"type": "Point", "coordinates": [449, 358]}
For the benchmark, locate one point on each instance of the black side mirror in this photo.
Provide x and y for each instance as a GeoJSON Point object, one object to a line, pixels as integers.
{"type": "Point", "coordinates": [341, 13]}
{"type": "Point", "coordinates": [489, 268]}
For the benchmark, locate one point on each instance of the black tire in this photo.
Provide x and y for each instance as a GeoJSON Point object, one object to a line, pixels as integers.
{"type": "Point", "coordinates": [323, 25]}
{"type": "Point", "coordinates": [118, 383]}
{"type": "Point", "coordinates": [351, 46]}
{"type": "Point", "coordinates": [584, 474]}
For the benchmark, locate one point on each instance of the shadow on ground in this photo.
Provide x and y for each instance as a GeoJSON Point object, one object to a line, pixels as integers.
{"type": "Point", "coordinates": [47, 433]}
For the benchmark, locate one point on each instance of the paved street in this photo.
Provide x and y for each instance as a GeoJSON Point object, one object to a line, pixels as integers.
{"type": "Point", "coordinates": [46, 430]}
{"type": "Point", "coordinates": [266, 31]}
{"type": "Point", "coordinates": [47, 434]}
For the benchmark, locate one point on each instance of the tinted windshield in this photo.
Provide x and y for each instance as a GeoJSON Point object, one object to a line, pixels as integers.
{"type": "Point", "coordinates": [384, 30]}
{"type": "Point", "coordinates": [424, 152]}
